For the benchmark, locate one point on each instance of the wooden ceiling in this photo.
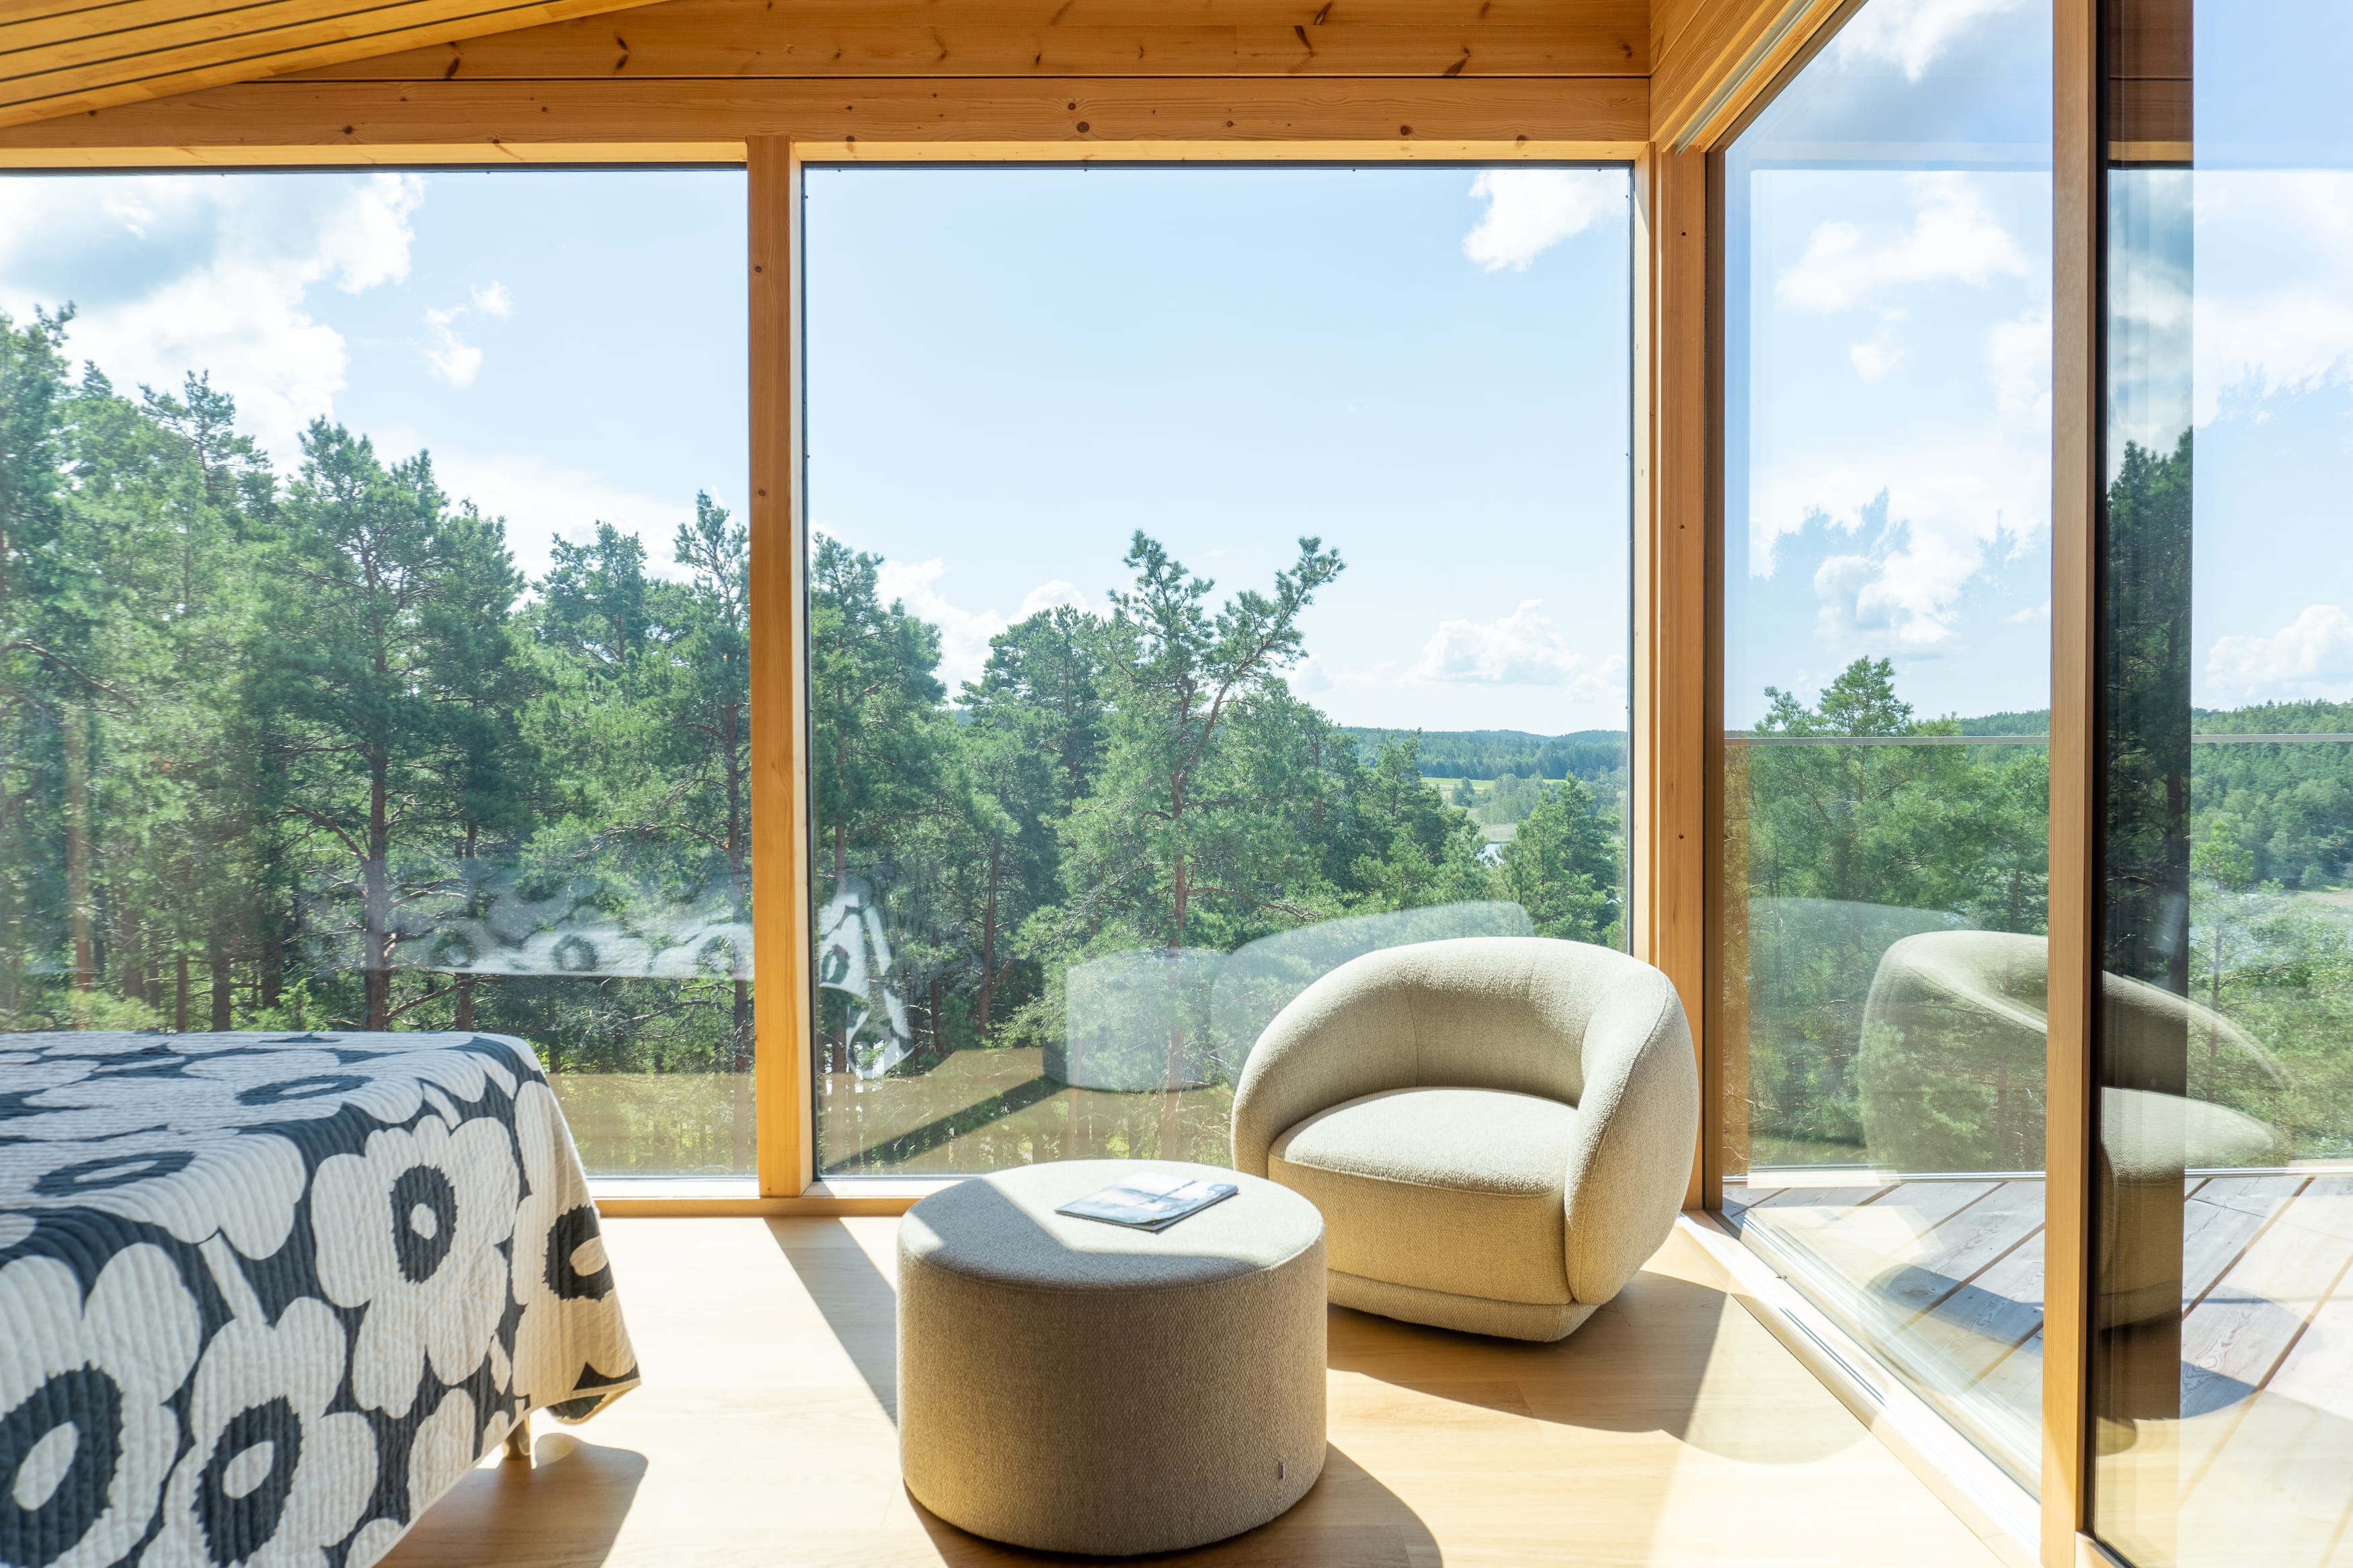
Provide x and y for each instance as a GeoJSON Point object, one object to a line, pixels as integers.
{"type": "Point", "coordinates": [58, 60]}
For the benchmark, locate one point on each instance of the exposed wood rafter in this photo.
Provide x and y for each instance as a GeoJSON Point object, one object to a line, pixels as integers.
{"type": "Point", "coordinates": [59, 60]}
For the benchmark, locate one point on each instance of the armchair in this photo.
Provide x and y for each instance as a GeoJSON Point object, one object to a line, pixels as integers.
{"type": "Point", "coordinates": [1497, 1130]}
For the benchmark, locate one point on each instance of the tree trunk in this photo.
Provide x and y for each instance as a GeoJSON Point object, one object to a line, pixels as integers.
{"type": "Point", "coordinates": [180, 989]}
{"type": "Point", "coordinates": [85, 958]}
{"type": "Point", "coordinates": [377, 958]}
{"type": "Point", "coordinates": [222, 999]}
{"type": "Point", "coordinates": [131, 971]}
{"type": "Point", "coordinates": [465, 1018]}
{"type": "Point", "coordinates": [839, 1049]}
{"type": "Point", "coordinates": [988, 937]}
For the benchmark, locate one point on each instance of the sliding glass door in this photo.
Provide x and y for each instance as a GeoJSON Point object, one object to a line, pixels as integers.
{"type": "Point", "coordinates": [1887, 266]}
{"type": "Point", "coordinates": [2222, 1308]}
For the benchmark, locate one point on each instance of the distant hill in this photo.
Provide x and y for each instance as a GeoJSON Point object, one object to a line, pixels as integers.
{"type": "Point", "coordinates": [1593, 756]}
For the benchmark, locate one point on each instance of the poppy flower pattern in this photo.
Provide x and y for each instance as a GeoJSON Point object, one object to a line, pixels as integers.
{"type": "Point", "coordinates": [264, 1297]}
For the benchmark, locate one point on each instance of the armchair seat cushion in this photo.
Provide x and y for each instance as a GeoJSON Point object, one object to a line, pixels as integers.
{"type": "Point", "coordinates": [1452, 1190]}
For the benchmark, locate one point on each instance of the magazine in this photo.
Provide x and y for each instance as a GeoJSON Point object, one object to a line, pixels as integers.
{"type": "Point", "coordinates": [1148, 1201]}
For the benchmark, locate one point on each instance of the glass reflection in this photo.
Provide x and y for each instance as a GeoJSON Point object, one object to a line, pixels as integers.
{"type": "Point", "coordinates": [1886, 693]}
{"type": "Point", "coordinates": [2222, 1315]}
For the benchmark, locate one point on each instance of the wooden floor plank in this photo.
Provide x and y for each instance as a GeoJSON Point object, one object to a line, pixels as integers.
{"type": "Point", "coordinates": [1671, 1428]}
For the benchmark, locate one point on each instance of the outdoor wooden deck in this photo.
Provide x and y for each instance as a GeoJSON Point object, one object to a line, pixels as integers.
{"type": "Point", "coordinates": [1942, 1276]}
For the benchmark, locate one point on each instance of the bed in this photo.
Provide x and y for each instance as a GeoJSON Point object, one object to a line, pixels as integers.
{"type": "Point", "coordinates": [264, 1297]}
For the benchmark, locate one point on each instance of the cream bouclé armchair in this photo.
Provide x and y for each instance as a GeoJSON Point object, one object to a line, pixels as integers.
{"type": "Point", "coordinates": [1497, 1130]}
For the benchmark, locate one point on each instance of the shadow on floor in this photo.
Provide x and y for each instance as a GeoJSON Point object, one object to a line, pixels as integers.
{"type": "Point", "coordinates": [860, 1306]}
{"type": "Point", "coordinates": [563, 1510]}
{"type": "Point", "coordinates": [1638, 1364]}
{"type": "Point", "coordinates": [1347, 1520]}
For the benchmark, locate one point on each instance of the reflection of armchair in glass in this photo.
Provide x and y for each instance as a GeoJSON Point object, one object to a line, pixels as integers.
{"type": "Point", "coordinates": [1258, 980]}
{"type": "Point", "coordinates": [1951, 1074]}
{"type": "Point", "coordinates": [1137, 1020]}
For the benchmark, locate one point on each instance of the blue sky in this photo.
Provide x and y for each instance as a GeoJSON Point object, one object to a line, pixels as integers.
{"type": "Point", "coordinates": [1888, 490]}
{"type": "Point", "coordinates": [569, 346]}
{"type": "Point", "coordinates": [1011, 371]}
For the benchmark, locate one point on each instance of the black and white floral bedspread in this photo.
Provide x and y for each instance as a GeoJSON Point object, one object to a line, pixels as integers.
{"type": "Point", "coordinates": [264, 1297]}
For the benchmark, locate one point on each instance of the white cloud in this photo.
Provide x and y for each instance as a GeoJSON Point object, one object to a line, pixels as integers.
{"type": "Point", "coordinates": [453, 359]}
{"type": "Point", "coordinates": [1048, 595]}
{"type": "Point", "coordinates": [543, 501]}
{"type": "Point", "coordinates": [2310, 656]}
{"type": "Point", "coordinates": [964, 634]}
{"type": "Point", "coordinates": [1904, 588]}
{"type": "Point", "coordinates": [1952, 237]}
{"type": "Point", "coordinates": [1911, 34]}
{"type": "Point", "coordinates": [1529, 211]}
{"type": "Point", "coordinates": [2272, 310]}
{"type": "Point", "coordinates": [175, 273]}
{"type": "Point", "coordinates": [1523, 649]}
{"type": "Point", "coordinates": [1874, 357]}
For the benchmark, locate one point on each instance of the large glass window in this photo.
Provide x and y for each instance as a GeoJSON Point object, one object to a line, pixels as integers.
{"type": "Point", "coordinates": [1214, 575]}
{"type": "Point", "coordinates": [372, 634]}
{"type": "Point", "coordinates": [1886, 265]}
{"type": "Point", "coordinates": [2222, 1308]}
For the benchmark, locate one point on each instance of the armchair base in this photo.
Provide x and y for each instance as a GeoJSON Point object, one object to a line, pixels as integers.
{"type": "Point", "coordinates": [1465, 1314]}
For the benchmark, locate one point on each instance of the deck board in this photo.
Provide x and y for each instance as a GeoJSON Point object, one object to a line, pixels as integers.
{"type": "Point", "coordinates": [2221, 1219]}
{"type": "Point", "coordinates": [1971, 1242]}
{"type": "Point", "coordinates": [1954, 1305]}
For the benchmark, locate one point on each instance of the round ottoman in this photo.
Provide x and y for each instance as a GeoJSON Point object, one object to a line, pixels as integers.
{"type": "Point", "coordinates": [1069, 1385]}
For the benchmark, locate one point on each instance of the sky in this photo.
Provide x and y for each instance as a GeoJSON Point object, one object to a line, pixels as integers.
{"type": "Point", "coordinates": [1012, 371]}
{"type": "Point", "coordinates": [1888, 360]}
{"type": "Point", "coordinates": [570, 347]}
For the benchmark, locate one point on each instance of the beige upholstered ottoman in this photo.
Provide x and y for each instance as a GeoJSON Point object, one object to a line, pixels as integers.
{"type": "Point", "coordinates": [1069, 1385]}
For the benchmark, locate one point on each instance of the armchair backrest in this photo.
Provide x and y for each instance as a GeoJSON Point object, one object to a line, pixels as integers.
{"type": "Point", "coordinates": [1528, 1014]}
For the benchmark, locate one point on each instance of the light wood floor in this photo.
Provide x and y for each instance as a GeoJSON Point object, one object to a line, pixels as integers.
{"type": "Point", "coordinates": [1943, 1278]}
{"type": "Point", "coordinates": [1672, 1428]}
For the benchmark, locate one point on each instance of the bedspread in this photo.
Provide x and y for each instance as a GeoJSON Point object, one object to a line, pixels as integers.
{"type": "Point", "coordinates": [263, 1298]}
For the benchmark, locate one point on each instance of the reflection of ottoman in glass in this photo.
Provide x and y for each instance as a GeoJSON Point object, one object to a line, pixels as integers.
{"type": "Point", "coordinates": [1075, 1386]}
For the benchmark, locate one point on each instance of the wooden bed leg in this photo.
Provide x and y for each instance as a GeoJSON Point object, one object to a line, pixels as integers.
{"type": "Point", "coordinates": [519, 1439]}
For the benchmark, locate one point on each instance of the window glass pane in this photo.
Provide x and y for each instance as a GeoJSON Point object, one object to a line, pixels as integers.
{"type": "Point", "coordinates": [2222, 1308]}
{"type": "Point", "coordinates": [372, 636]}
{"type": "Point", "coordinates": [1886, 695]}
{"type": "Point", "coordinates": [1214, 575]}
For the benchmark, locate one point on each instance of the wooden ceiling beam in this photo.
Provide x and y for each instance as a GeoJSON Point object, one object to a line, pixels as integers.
{"type": "Point", "coordinates": [486, 122]}
{"type": "Point", "coordinates": [55, 62]}
{"type": "Point", "coordinates": [837, 38]}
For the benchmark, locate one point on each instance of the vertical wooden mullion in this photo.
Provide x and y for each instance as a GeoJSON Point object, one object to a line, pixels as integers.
{"type": "Point", "coordinates": [780, 885]}
{"type": "Point", "coordinates": [2071, 1101]}
{"type": "Point", "coordinates": [1671, 617]}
